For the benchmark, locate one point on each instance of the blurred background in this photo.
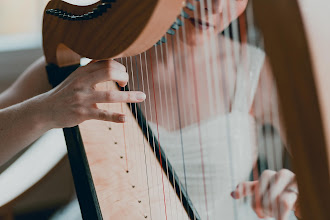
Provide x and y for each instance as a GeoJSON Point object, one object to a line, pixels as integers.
{"type": "Point", "coordinates": [20, 45]}
{"type": "Point", "coordinates": [20, 37]}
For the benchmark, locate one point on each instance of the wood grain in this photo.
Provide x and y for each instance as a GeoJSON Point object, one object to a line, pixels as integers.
{"type": "Point", "coordinates": [128, 28]}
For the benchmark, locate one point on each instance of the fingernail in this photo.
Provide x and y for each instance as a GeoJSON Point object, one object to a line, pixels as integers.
{"type": "Point", "coordinates": [140, 96]}
{"type": "Point", "coordinates": [121, 118]}
{"type": "Point", "coordinates": [233, 194]}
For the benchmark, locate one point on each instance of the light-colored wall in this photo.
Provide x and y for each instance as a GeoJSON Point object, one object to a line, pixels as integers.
{"type": "Point", "coordinates": [13, 63]}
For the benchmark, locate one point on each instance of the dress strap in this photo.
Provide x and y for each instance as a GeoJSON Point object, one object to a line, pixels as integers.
{"type": "Point", "coordinates": [248, 73]}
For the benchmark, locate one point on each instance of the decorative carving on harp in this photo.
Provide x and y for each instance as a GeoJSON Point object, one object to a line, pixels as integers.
{"type": "Point", "coordinates": [197, 135]}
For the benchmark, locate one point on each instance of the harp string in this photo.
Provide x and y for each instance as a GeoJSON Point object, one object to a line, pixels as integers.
{"type": "Point", "coordinates": [162, 119]}
{"type": "Point", "coordinates": [171, 97]}
{"type": "Point", "coordinates": [194, 61]}
{"type": "Point", "coordinates": [161, 101]}
{"type": "Point", "coordinates": [134, 133]}
{"type": "Point", "coordinates": [251, 37]}
{"type": "Point", "coordinates": [160, 156]}
{"type": "Point", "coordinates": [186, 69]}
{"type": "Point", "coordinates": [268, 144]}
{"type": "Point", "coordinates": [122, 110]}
{"type": "Point", "coordinates": [178, 78]}
{"type": "Point", "coordinates": [146, 121]}
{"type": "Point", "coordinates": [160, 97]}
{"type": "Point", "coordinates": [229, 77]}
{"type": "Point", "coordinates": [237, 57]}
{"type": "Point", "coordinates": [144, 145]}
{"type": "Point", "coordinates": [206, 48]}
{"type": "Point", "coordinates": [243, 34]}
{"type": "Point", "coordinates": [183, 97]}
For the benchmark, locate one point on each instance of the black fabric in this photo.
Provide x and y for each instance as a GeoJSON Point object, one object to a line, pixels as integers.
{"type": "Point", "coordinates": [56, 74]}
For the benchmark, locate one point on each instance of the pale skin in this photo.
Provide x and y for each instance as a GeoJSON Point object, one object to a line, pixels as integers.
{"type": "Point", "coordinates": [32, 107]}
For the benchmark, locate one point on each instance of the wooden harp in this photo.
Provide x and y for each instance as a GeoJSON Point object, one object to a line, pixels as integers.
{"type": "Point", "coordinates": [127, 171]}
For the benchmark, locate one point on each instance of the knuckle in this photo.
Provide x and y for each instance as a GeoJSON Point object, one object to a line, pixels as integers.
{"type": "Point", "coordinates": [77, 97]}
{"type": "Point", "coordinates": [129, 96]}
{"type": "Point", "coordinates": [126, 77]}
{"type": "Point", "coordinates": [80, 112]}
{"type": "Point", "coordinates": [123, 67]}
{"type": "Point", "coordinates": [283, 173]}
{"type": "Point", "coordinates": [109, 72]}
{"type": "Point", "coordinates": [109, 96]}
{"type": "Point", "coordinates": [267, 174]}
{"type": "Point", "coordinates": [77, 84]}
{"type": "Point", "coordinates": [102, 115]}
{"type": "Point", "coordinates": [107, 63]}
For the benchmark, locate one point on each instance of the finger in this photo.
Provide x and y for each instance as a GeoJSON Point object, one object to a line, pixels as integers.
{"type": "Point", "coordinates": [256, 206]}
{"type": "Point", "coordinates": [279, 182]}
{"type": "Point", "coordinates": [286, 203]}
{"type": "Point", "coordinates": [265, 178]}
{"type": "Point", "coordinates": [263, 206]}
{"type": "Point", "coordinates": [244, 189]}
{"type": "Point", "coordinates": [118, 66]}
{"type": "Point", "coordinates": [95, 65]}
{"type": "Point", "coordinates": [103, 115]}
{"type": "Point", "coordinates": [118, 96]}
{"type": "Point", "coordinates": [108, 74]}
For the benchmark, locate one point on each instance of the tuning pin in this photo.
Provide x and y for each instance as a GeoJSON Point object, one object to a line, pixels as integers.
{"type": "Point", "coordinates": [163, 40]}
{"type": "Point", "coordinates": [190, 6]}
{"type": "Point", "coordinates": [184, 14]}
{"type": "Point", "coordinates": [102, 7]}
{"type": "Point", "coordinates": [179, 22]}
{"type": "Point", "coordinates": [175, 26]}
{"type": "Point", "coordinates": [96, 12]}
{"type": "Point", "coordinates": [92, 14]}
{"type": "Point", "coordinates": [50, 11]}
{"type": "Point", "coordinates": [79, 17]}
{"type": "Point", "coordinates": [85, 16]}
{"type": "Point", "coordinates": [65, 17]}
{"type": "Point", "coordinates": [56, 12]}
{"type": "Point", "coordinates": [170, 31]}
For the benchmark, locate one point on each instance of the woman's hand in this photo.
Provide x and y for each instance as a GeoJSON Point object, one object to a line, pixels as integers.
{"type": "Point", "coordinates": [74, 100]}
{"type": "Point", "coordinates": [274, 194]}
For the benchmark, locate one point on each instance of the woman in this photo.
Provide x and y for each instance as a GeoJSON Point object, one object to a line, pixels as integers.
{"type": "Point", "coordinates": [31, 100]}
{"type": "Point", "coordinates": [205, 93]}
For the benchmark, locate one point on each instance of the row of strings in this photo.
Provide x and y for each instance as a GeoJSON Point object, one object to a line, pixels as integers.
{"type": "Point", "coordinates": [165, 107]}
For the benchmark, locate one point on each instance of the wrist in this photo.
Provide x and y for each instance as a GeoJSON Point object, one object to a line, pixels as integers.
{"type": "Point", "coordinates": [40, 114]}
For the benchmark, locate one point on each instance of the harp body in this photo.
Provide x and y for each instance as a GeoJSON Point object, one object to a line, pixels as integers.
{"type": "Point", "coordinates": [128, 174]}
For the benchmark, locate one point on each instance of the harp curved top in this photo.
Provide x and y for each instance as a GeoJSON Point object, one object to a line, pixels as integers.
{"type": "Point", "coordinates": [116, 29]}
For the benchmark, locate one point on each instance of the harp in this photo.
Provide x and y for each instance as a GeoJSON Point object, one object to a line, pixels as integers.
{"type": "Point", "coordinates": [128, 171]}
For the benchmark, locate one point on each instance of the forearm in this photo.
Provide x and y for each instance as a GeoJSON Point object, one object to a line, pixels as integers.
{"type": "Point", "coordinates": [33, 81]}
{"type": "Point", "coordinates": [20, 125]}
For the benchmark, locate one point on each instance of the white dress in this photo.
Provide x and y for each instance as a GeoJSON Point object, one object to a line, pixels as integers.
{"type": "Point", "coordinates": [229, 150]}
